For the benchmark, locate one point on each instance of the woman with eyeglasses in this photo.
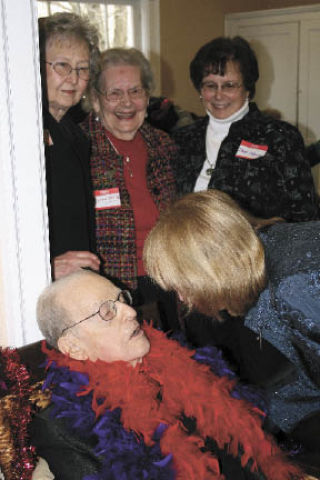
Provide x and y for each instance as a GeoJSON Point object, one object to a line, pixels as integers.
{"type": "Point", "coordinates": [258, 160]}
{"type": "Point", "coordinates": [68, 54]}
{"type": "Point", "coordinates": [131, 174]}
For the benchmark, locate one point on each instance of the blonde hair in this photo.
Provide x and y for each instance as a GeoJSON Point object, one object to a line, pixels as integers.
{"type": "Point", "coordinates": [205, 248]}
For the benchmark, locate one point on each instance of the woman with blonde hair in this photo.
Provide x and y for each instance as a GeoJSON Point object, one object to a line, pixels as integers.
{"type": "Point", "coordinates": [205, 266]}
{"type": "Point", "coordinates": [222, 262]}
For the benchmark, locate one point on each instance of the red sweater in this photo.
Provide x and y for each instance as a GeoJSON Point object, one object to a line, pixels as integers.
{"type": "Point", "coordinates": [145, 211]}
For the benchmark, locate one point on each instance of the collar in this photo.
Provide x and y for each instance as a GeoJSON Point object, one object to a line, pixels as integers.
{"type": "Point", "coordinates": [238, 115]}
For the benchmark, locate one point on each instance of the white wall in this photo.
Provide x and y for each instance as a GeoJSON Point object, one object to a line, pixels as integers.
{"type": "Point", "coordinates": [24, 257]}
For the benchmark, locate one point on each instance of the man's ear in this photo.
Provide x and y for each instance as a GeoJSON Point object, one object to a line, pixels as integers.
{"type": "Point", "coordinates": [70, 345]}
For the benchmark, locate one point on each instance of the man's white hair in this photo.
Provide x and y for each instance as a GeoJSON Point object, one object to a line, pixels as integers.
{"type": "Point", "coordinates": [52, 316]}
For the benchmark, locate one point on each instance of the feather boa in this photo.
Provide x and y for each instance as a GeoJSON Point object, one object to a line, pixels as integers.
{"type": "Point", "coordinates": [150, 400]}
{"type": "Point", "coordinates": [17, 456]}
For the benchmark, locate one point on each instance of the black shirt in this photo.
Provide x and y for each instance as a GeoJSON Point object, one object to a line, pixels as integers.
{"type": "Point", "coordinates": [69, 193]}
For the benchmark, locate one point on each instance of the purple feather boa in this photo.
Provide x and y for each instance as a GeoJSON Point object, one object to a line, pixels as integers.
{"type": "Point", "coordinates": [123, 454]}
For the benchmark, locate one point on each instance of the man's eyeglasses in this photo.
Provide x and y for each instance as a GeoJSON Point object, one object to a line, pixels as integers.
{"type": "Point", "coordinates": [116, 95]}
{"type": "Point", "coordinates": [107, 310]}
{"type": "Point", "coordinates": [64, 69]}
{"type": "Point", "coordinates": [230, 88]}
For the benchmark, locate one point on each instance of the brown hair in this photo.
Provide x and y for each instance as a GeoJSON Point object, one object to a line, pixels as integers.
{"type": "Point", "coordinates": [206, 249]}
{"type": "Point", "coordinates": [214, 56]}
{"type": "Point", "coordinates": [65, 25]}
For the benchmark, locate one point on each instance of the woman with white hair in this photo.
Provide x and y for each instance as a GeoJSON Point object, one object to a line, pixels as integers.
{"type": "Point", "coordinates": [131, 173]}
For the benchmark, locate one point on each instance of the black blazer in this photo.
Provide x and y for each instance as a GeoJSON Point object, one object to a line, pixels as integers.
{"type": "Point", "coordinates": [69, 192]}
{"type": "Point", "coordinates": [68, 456]}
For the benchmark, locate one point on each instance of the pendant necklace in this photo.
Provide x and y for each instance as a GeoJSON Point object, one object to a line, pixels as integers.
{"type": "Point", "coordinates": [210, 170]}
{"type": "Point", "coordinates": [126, 158]}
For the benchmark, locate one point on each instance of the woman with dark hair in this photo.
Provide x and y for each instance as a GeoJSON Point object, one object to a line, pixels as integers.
{"type": "Point", "coordinates": [220, 260]}
{"type": "Point", "coordinates": [68, 54]}
{"type": "Point", "coordinates": [258, 160]}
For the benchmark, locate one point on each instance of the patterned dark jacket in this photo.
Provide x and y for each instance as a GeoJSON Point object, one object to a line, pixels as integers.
{"type": "Point", "coordinates": [279, 183]}
{"type": "Point", "coordinates": [115, 227]}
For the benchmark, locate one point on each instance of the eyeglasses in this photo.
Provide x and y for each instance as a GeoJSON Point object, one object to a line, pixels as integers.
{"type": "Point", "coordinates": [116, 95]}
{"type": "Point", "coordinates": [64, 69]}
{"type": "Point", "coordinates": [107, 310]}
{"type": "Point", "coordinates": [228, 88]}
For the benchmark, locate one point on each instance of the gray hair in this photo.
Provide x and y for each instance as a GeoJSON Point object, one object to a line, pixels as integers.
{"type": "Point", "coordinates": [124, 56]}
{"type": "Point", "coordinates": [52, 317]}
{"type": "Point", "coordinates": [65, 24]}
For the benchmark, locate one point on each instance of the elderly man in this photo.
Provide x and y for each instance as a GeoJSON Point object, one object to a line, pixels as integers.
{"type": "Point", "coordinates": [66, 320]}
{"type": "Point", "coordinates": [129, 403]}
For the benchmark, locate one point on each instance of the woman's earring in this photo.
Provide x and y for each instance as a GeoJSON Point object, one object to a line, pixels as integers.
{"type": "Point", "coordinates": [200, 97]}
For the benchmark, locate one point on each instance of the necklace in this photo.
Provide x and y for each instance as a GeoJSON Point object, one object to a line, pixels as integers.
{"type": "Point", "coordinates": [126, 158]}
{"type": "Point", "coordinates": [209, 171]}
{"type": "Point", "coordinates": [127, 162]}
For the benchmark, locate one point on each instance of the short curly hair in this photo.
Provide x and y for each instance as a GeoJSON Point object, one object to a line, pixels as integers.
{"type": "Point", "coordinates": [63, 24]}
{"type": "Point", "coordinates": [125, 56]}
{"type": "Point", "coordinates": [214, 55]}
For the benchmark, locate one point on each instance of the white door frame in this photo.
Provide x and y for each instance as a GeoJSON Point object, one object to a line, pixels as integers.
{"type": "Point", "coordinates": [24, 241]}
{"type": "Point", "coordinates": [293, 13]}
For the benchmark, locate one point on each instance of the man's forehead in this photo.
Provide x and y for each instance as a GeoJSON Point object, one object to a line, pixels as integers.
{"type": "Point", "coordinates": [89, 290]}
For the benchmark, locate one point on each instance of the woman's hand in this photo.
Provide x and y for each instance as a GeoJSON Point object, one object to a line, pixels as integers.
{"type": "Point", "coordinates": [71, 261]}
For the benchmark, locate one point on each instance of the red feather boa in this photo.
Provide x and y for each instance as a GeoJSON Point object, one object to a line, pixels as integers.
{"type": "Point", "coordinates": [189, 387]}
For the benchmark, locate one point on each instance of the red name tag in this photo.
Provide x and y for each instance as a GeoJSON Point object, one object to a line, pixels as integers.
{"type": "Point", "coordinates": [107, 198]}
{"type": "Point", "coordinates": [251, 151]}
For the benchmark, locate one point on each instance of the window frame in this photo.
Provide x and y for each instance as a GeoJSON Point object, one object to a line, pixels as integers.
{"type": "Point", "coordinates": [146, 25]}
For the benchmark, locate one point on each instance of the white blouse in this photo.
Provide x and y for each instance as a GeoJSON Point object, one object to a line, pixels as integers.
{"type": "Point", "coordinates": [217, 131]}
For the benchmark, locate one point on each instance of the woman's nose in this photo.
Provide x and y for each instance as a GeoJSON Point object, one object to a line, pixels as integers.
{"type": "Point", "coordinates": [218, 93]}
{"type": "Point", "coordinates": [125, 98]}
{"type": "Point", "coordinates": [73, 77]}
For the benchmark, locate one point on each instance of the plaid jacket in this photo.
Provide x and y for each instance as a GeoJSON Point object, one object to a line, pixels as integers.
{"type": "Point", "coordinates": [115, 227]}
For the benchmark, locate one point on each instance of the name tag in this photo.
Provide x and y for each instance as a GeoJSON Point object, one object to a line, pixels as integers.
{"type": "Point", "coordinates": [251, 151]}
{"type": "Point", "coordinates": [107, 198]}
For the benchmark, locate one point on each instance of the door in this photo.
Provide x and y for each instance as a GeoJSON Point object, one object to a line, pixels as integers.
{"type": "Point", "coordinates": [276, 47]}
{"type": "Point", "coordinates": [287, 44]}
